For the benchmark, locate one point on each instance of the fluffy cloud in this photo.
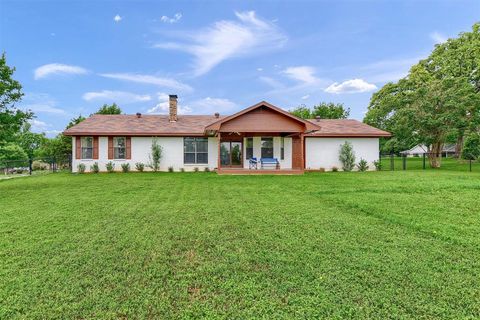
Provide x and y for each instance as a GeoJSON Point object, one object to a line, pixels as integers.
{"type": "Point", "coordinates": [351, 86]}
{"type": "Point", "coordinates": [148, 79]}
{"type": "Point", "coordinates": [226, 39]}
{"type": "Point", "coordinates": [302, 73]}
{"type": "Point", "coordinates": [115, 96]}
{"type": "Point", "coordinates": [211, 105]}
{"type": "Point", "coordinates": [437, 37]}
{"type": "Point", "coordinates": [175, 18]}
{"type": "Point", "coordinates": [162, 107]}
{"type": "Point", "coordinates": [57, 68]}
{"type": "Point", "coordinates": [305, 97]}
{"type": "Point", "coordinates": [117, 18]}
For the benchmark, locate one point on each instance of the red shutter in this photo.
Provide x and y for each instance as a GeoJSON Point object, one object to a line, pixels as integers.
{"type": "Point", "coordinates": [128, 145]}
{"type": "Point", "coordinates": [78, 147]}
{"type": "Point", "coordinates": [95, 147]}
{"type": "Point", "coordinates": [110, 147]}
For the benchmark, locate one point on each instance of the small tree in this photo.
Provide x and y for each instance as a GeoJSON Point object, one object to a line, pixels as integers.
{"type": "Point", "coordinates": [471, 147]}
{"type": "Point", "coordinates": [155, 156]}
{"type": "Point", "coordinates": [362, 165]}
{"type": "Point", "coordinates": [109, 109]}
{"type": "Point", "coordinates": [347, 156]}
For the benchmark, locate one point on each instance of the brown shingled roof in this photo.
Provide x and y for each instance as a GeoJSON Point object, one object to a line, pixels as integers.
{"type": "Point", "coordinates": [146, 125]}
{"type": "Point", "coordinates": [345, 128]}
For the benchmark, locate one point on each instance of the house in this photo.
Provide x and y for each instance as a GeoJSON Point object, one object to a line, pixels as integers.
{"type": "Point", "coordinates": [421, 149]}
{"type": "Point", "coordinates": [223, 143]}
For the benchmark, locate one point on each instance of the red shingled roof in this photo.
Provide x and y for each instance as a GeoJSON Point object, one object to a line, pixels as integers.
{"type": "Point", "coordinates": [146, 125]}
{"type": "Point", "coordinates": [345, 128]}
{"type": "Point", "coordinates": [194, 125]}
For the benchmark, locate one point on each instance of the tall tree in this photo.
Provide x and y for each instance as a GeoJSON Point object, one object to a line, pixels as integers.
{"type": "Point", "coordinates": [324, 110]}
{"type": "Point", "coordinates": [109, 109]}
{"type": "Point", "coordinates": [30, 141]}
{"type": "Point", "coordinates": [11, 118]}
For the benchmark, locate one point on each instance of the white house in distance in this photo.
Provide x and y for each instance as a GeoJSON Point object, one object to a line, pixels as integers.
{"type": "Point", "coordinates": [260, 139]}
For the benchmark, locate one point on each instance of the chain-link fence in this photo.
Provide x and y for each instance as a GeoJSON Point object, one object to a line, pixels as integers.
{"type": "Point", "coordinates": [39, 165]}
{"type": "Point", "coordinates": [392, 162]}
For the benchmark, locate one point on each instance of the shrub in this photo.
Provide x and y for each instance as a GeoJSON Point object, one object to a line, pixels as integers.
{"type": "Point", "coordinates": [170, 169]}
{"type": "Point", "coordinates": [81, 168]}
{"type": "Point", "coordinates": [195, 169]}
{"type": "Point", "coordinates": [94, 167]}
{"type": "Point", "coordinates": [378, 165]}
{"type": "Point", "coordinates": [471, 147]}
{"type": "Point", "coordinates": [139, 166]}
{"type": "Point", "coordinates": [39, 165]}
{"type": "Point", "coordinates": [334, 169]}
{"type": "Point", "coordinates": [125, 167]}
{"type": "Point", "coordinates": [207, 169]}
{"type": "Point", "coordinates": [362, 165]}
{"type": "Point", "coordinates": [347, 156]}
{"type": "Point", "coordinates": [321, 170]}
{"type": "Point", "coordinates": [155, 156]}
{"type": "Point", "coordinates": [182, 169]}
{"type": "Point", "coordinates": [110, 167]}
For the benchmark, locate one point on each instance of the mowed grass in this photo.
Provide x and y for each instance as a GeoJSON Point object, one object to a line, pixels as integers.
{"type": "Point", "coordinates": [403, 244]}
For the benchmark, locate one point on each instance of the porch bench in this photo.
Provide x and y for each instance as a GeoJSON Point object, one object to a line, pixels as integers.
{"type": "Point", "coordinates": [270, 161]}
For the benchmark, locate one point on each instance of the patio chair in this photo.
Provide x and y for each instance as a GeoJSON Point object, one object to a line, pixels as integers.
{"type": "Point", "coordinates": [252, 163]}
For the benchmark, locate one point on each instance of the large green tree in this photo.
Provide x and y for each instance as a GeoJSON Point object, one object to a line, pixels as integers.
{"type": "Point", "coordinates": [431, 104]}
{"type": "Point", "coordinates": [324, 110]}
{"type": "Point", "coordinates": [109, 109]}
{"type": "Point", "coordinates": [11, 118]}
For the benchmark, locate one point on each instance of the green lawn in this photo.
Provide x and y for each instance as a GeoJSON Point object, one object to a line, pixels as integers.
{"type": "Point", "coordinates": [403, 244]}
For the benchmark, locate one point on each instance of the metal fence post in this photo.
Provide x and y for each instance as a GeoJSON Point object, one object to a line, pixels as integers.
{"type": "Point", "coordinates": [30, 161]}
{"type": "Point", "coordinates": [392, 162]}
{"type": "Point", "coordinates": [424, 166]}
{"type": "Point", "coordinates": [404, 162]}
{"type": "Point", "coordinates": [470, 164]}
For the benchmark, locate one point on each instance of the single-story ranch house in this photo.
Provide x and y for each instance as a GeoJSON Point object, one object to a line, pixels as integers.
{"type": "Point", "coordinates": [259, 138]}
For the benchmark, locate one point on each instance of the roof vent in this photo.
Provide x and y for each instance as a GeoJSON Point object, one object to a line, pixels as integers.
{"type": "Point", "coordinates": [317, 118]}
{"type": "Point", "coordinates": [139, 115]}
{"type": "Point", "coordinates": [217, 115]}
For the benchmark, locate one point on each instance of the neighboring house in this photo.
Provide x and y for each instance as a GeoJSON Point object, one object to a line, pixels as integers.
{"type": "Point", "coordinates": [225, 144]}
{"type": "Point", "coordinates": [421, 149]}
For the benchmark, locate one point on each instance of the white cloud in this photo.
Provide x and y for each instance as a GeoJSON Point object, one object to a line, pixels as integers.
{"type": "Point", "coordinates": [162, 107]}
{"type": "Point", "coordinates": [211, 105]}
{"type": "Point", "coordinates": [57, 68]}
{"type": "Point", "coordinates": [351, 86]}
{"type": "Point", "coordinates": [271, 82]}
{"type": "Point", "coordinates": [38, 126]}
{"type": "Point", "coordinates": [41, 103]}
{"type": "Point", "coordinates": [305, 97]}
{"type": "Point", "coordinates": [227, 39]}
{"type": "Point", "coordinates": [148, 79]}
{"type": "Point", "coordinates": [175, 18]}
{"type": "Point", "coordinates": [117, 18]}
{"type": "Point", "coordinates": [438, 38]}
{"type": "Point", "coordinates": [260, 69]}
{"type": "Point", "coordinates": [303, 74]}
{"type": "Point", "coordinates": [115, 96]}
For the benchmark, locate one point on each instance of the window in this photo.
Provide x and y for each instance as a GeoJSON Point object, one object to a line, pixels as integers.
{"type": "Point", "coordinates": [282, 148]}
{"type": "Point", "coordinates": [87, 147]}
{"type": "Point", "coordinates": [249, 148]}
{"type": "Point", "coordinates": [195, 150]}
{"type": "Point", "coordinates": [267, 147]}
{"type": "Point", "coordinates": [119, 150]}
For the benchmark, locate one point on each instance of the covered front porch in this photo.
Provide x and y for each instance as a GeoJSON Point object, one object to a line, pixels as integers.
{"type": "Point", "coordinates": [261, 139]}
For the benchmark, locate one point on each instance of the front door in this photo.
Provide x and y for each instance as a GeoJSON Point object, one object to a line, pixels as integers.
{"type": "Point", "coordinates": [297, 153]}
{"type": "Point", "coordinates": [231, 154]}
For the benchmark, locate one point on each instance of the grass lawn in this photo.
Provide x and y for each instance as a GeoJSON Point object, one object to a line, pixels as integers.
{"type": "Point", "coordinates": [403, 244]}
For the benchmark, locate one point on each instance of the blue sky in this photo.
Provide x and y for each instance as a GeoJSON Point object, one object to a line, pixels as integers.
{"type": "Point", "coordinates": [73, 56]}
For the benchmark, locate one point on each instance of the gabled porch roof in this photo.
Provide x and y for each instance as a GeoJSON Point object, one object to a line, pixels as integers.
{"type": "Point", "coordinates": [262, 117]}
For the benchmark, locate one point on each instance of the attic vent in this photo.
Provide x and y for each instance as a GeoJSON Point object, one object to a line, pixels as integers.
{"type": "Point", "coordinates": [139, 115]}
{"type": "Point", "coordinates": [217, 115]}
{"type": "Point", "coordinates": [317, 118]}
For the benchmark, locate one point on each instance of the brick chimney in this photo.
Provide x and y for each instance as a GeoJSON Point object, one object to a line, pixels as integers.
{"type": "Point", "coordinates": [172, 115]}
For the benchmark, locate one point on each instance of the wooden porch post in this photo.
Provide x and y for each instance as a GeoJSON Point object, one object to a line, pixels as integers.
{"type": "Point", "coordinates": [218, 156]}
